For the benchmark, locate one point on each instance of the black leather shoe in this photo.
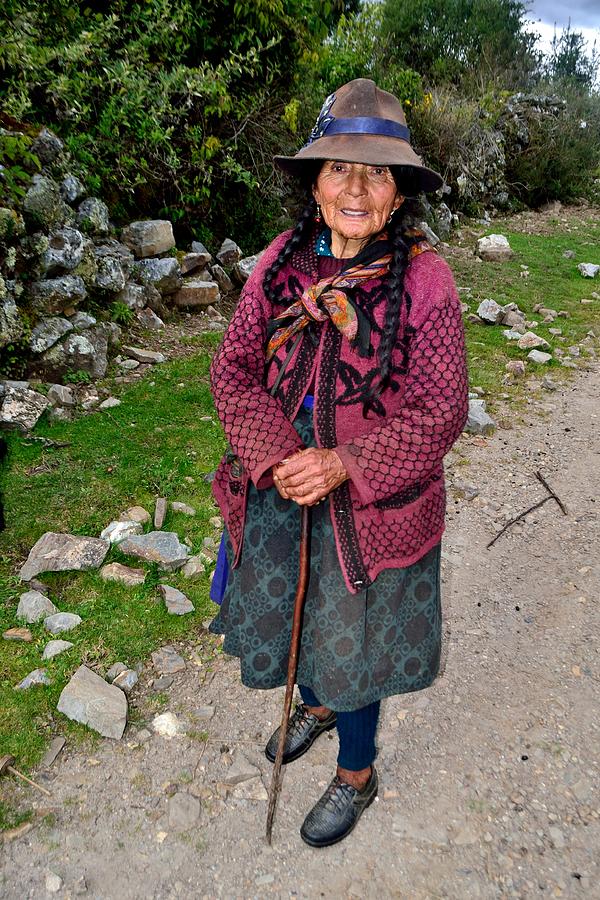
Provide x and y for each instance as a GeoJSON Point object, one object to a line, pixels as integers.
{"type": "Point", "coordinates": [337, 812]}
{"type": "Point", "coordinates": [303, 730]}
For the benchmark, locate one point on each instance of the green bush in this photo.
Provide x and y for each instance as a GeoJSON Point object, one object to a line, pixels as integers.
{"type": "Point", "coordinates": [561, 158]}
{"type": "Point", "coordinates": [355, 49]}
{"type": "Point", "coordinates": [18, 163]}
{"type": "Point", "coordinates": [471, 43]}
{"type": "Point", "coordinates": [121, 313]}
{"type": "Point", "coordinates": [169, 107]}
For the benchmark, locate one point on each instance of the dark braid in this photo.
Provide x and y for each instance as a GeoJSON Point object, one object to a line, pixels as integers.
{"type": "Point", "coordinates": [397, 306]}
{"type": "Point", "coordinates": [298, 238]}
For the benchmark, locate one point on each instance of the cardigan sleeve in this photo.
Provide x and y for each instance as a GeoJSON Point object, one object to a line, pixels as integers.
{"type": "Point", "coordinates": [408, 446]}
{"type": "Point", "coordinates": [254, 422]}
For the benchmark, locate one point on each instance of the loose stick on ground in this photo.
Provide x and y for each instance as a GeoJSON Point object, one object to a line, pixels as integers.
{"type": "Point", "coordinates": [552, 495]}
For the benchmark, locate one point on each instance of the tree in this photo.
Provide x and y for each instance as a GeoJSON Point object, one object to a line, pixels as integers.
{"type": "Point", "coordinates": [467, 42]}
{"type": "Point", "coordinates": [569, 60]}
{"type": "Point", "coordinates": [168, 107]}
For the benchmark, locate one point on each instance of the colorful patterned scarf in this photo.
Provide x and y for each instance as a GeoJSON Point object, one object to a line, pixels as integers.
{"type": "Point", "coordinates": [326, 300]}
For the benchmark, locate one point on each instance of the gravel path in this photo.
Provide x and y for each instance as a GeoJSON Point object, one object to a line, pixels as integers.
{"type": "Point", "coordinates": [489, 779]}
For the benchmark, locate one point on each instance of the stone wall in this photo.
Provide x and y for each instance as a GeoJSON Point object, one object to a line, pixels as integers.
{"type": "Point", "coordinates": [66, 273]}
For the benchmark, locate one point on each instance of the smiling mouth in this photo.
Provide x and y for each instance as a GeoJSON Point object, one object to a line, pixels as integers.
{"type": "Point", "coordinates": [354, 213]}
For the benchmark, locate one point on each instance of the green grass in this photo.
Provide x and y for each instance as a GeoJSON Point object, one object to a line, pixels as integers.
{"type": "Point", "coordinates": [553, 281]}
{"type": "Point", "coordinates": [121, 457]}
{"type": "Point", "coordinates": [148, 446]}
{"type": "Point", "coordinates": [11, 818]}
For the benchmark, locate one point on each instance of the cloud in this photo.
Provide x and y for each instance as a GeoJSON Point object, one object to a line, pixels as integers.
{"type": "Point", "coordinates": [584, 14]}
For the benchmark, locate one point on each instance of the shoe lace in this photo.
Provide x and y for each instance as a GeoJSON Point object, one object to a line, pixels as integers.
{"type": "Point", "coordinates": [299, 718]}
{"type": "Point", "coordinates": [337, 795]}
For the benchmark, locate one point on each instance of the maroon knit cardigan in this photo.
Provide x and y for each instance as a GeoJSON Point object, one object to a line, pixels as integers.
{"type": "Point", "coordinates": [391, 510]}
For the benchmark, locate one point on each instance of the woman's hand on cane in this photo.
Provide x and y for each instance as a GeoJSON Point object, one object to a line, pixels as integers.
{"type": "Point", "coordinates": [309, 476]}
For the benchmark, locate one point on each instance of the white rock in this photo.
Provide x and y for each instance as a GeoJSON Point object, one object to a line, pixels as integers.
{"type": "Point", "coordinates": [588, 270]}
{"type": "Point", "coordinates": [21, 407]}
{"type": "Point", "coordinates": [109, 403]}
{"type": "Point", "coordinates": [494, 248]}
{"type": "Point", "coordinates": [530, 340]}
{"type": "Point", "coordinates": [117, 531]}
{"type": "Point", "coordinates": [167, 725]}
{"type": "Point", "coordinates": [53, 883]}
{"type": "Point", "coordinates": [538, 356]}
{"type": "Point", "coordinates": [490, 311]}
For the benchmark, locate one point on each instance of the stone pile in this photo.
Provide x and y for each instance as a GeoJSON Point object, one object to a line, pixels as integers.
{"type": "Point", "coordinates": [100, 703]}
{"type": "Point", "coordinates": [59, 251]}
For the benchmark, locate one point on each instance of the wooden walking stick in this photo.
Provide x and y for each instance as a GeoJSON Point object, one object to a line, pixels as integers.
{"type": "Point", "coordinates": [276, 778]}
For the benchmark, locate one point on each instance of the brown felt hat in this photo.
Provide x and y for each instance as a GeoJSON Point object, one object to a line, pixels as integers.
{"type": "Point", "coordinates": [361, 123]}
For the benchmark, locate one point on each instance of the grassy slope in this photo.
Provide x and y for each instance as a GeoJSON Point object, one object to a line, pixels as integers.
{"type": "Point", "coordinates": [148, 446]}
{"type": "Point", "coordinates": [553, 281]}
{"type": "Point", "coordinates": [125, 456]}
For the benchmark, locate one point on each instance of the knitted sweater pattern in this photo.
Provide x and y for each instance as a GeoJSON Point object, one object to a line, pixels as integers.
{"type": "Point", "coordinates": [391, 510]}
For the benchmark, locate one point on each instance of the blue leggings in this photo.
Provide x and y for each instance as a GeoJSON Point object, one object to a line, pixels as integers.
{"type": "Point", "coordinates": [356, 731]}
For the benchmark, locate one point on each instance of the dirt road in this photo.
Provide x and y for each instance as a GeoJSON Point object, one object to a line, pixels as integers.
{"type": "Point", "coordinates": [489, 779]}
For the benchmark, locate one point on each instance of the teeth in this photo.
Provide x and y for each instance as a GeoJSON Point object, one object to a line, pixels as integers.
{"type": "Point", "coordinates": [353, 212]}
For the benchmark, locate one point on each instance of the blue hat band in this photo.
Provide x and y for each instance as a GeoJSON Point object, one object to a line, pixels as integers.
{"type": "Point", "coordinates": [367, 125]}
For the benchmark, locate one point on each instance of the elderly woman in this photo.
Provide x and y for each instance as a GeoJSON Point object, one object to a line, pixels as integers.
{"type": "Point", "coordinates": [341, 383]}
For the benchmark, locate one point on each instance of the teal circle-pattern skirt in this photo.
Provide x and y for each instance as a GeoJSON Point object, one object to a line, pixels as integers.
{"type": "Point", "coordinates": [355, 648]}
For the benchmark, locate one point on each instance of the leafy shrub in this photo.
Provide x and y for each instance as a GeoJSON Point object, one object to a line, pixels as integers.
{"type": "Point", "coordinates": [468, 42]}
{"type": "Point", "coordinates": [121, 313]}
{"type": "Point", "coordinates": [78, 377]}
{"type": "Point", "coordinates": [355, 49]}
{"type": "Point", "coordinates": [17, 162]}
{"type": "Point", "coordinates": [561, 156]}
{"type": "Point", "coordinates": [457, 139]}
{"type": "Point", "coordinates": [170, 107]}
{"type": "Point", "coordinates": [14, 359]}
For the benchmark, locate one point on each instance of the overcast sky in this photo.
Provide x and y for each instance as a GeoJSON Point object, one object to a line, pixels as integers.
{"type": "Point", "coordinates": [584, 15]}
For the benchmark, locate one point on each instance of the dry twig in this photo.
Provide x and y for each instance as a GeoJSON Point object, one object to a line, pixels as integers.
{"type": "Point", "coordinates": [552, 495]}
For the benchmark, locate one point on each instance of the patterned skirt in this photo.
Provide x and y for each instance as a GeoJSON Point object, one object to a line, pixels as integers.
{"type": "Point", "coordinates": [355, 648]}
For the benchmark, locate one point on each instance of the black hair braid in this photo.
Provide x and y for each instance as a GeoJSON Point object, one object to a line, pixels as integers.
{"type": "Point", "coordinates": [396, 307]}
{"type": "Point", "coordinates": [298, 238]}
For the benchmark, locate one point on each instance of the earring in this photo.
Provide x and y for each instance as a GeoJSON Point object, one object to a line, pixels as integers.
{"type": "Point", "coordinates": [318, 215]}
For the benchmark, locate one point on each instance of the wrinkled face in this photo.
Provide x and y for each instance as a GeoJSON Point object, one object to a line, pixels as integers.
{"type": "Point", "coordinates": [356, 201]}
